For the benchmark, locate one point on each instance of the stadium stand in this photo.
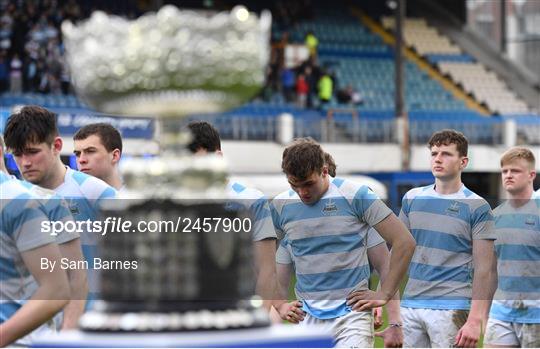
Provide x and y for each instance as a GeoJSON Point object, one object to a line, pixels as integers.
{"type": "Point", "coordinates": [358, 57]}
{"type": "Point", "coordinates": [474, 78]}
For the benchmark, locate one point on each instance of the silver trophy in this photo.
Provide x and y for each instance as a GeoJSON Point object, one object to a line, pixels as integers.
{"type": "Point", "coordinates": [171, 64]}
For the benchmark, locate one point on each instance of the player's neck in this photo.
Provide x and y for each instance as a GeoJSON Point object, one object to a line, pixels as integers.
{"type": "Point", "coordinates": [326, 184]}
{"type": "Point", "coordinates": [57, 176]}
{"type": "Point", "coordinates": [114, 180]}
{"type": "Point", "coordinates": [520, 198]}
{"type": "Point", "coordinates": [448, 186]}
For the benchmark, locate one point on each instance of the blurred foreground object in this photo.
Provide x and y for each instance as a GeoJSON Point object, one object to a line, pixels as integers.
{"type": "Point", "coordinates": [170, 63]}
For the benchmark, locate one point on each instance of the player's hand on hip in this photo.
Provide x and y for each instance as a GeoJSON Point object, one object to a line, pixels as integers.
{"type": "Point", "coordinates": [365, 300]}
{"type": "Point", "coordinates": [291, 311]}
{"type": "Point", "coordinates": [392, 337]}
{"type": "Point", "coordinates": [377, 317]}
{"type": "Point", "coordinates": [469, 334]}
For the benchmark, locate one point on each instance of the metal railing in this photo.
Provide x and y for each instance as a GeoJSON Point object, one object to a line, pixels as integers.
{"type": "Point", "coordinates": [340, 128]}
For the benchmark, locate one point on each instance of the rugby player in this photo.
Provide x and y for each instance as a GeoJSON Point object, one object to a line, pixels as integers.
{"type": "Point", "coordinates": [453, 229]}
{"type": "Point", "coordinates": [514, 319]}
{"type": "Point", "coordinates": [98, 149]}
{"type": "Point", "coordinates": [206, 140]}
{"type": "Point", "coordinates": [379, 259]}
{"type": "Point", "coordinates": [57, 210]}
{"type": "Point", "coordinates": [325, 224]}
{"type": "Point", "coordinates": [23, 247]}
{"type": "Point", "coordinates": [31, 134]}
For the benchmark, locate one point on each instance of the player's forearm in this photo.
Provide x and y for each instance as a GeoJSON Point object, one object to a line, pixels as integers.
{"type": "Point", "coordinates": [29, 317]}
{"type": "Point", "coordinates": [267, 287]}
{"type": "Point", "coordinates": [283, 277]}
{"type": "Point", "coordinates": [393, 309]}
{"type": "Point", "coordinates": [482, 294]}
{"type": "Point", "coordinates": [483, 285]}
{"type": "Point", "coordinates": [72, 313]}
{"type": "Point", "coordinates": [79, 292]}
{"type": "Point", "coordinates": [44, 304]}
{"type": "Point", "coordinates": [393, 305]}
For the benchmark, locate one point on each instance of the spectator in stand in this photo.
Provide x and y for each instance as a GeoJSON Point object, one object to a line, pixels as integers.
{"type": "Point", "coordinates": [312, 86]}
{"type": "Point", "coordinates": [312, 42]}
{"type": "Point", "coordinates": [313, 74]}
{"type": "Point", "coordinates": [4, 72]}
{"type": "Point", "coordinates": [15, 75]}
{"type": "Point", "coordinates": [272, 73]}
{"type": "Point", "coordinates": [325, 87]}
{"type": "Point", "coordinates": [287, 84]}
{"type": "Point", "coordinates": [302, 90]}
{"type": "Point", "coordinates": [31, 75]}
{"type": "Point", "coordinates": [349, 95]}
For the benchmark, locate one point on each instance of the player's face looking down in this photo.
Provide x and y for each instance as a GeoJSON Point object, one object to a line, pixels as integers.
{"type": "Point", "coordinates": [312, 188]}
{"type": "Point", "coordinates": [93, 158]}
{"type": "Point", "coordinates": [446, 163]}
{"type": "Point", "coordinates": [36, 161]}
{"type": "Point", "coordinates": [517, 175]}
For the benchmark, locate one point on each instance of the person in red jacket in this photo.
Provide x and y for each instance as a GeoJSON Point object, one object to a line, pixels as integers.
{"type": "Point", "coordinates": [302, 90]}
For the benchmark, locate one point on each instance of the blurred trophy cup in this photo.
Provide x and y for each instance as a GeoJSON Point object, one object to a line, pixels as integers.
{"type": "Point", "coordinates": [171, 64]}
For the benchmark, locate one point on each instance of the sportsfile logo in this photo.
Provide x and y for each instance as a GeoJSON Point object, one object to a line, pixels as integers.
{"type": "Point", "coordinates": [119, 224]}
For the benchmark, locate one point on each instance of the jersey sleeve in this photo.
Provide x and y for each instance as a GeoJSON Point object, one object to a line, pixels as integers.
{"type": "Point", "coordinates": [29, 224]}
{"type": "Point", "coordinates": [404, 212]}
{"type": "Point", "coordinates": [263, 227]}
{"type": "Point", "coordinates": [368, 207]}
{"type": "Point", "coordinates": [276, 220]}
{"type": "Point", "coordinates": [283, 254]}
{"type": "Point", "coordinates": [482, 222]}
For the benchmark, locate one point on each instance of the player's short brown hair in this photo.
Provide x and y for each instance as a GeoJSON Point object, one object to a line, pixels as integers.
{"type": "Point", "coordinates": [329, 160]}
{"type": "Point", "coordinates": [447, 137]}
{"type": "Point", "coordinates": [31, 124]}
{"type": "Point", "coordinates": [108, 135]}
{"type": "Point", "coordinates": [303, 158]}
{"type": "Point", "coordinates": [516, 153]}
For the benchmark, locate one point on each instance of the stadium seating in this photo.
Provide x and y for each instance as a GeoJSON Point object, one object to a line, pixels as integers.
{"type": "Point", "coordinates": [361, 59]}
{"type": "Point", "coordinates": [472, 76]}
{"type": "Point", "coordinates": [45, 100]}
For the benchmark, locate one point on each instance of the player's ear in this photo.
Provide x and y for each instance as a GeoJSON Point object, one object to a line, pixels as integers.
{"type": "Point", "coordinates": [325, 170]}
{"type": "Point", "coordinates": [116, 156]}
{"type": "Point", "coordinates": [464, 162]}
{"type": "Point", "coordinates": [57, 145]}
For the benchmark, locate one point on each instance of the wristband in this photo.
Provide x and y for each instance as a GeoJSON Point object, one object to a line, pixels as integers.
{"type": "Point", "coordinates": [395, 324]}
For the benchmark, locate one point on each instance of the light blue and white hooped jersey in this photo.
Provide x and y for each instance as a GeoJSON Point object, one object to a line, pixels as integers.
{"type": "Point", "coordinates": [327, 243]}
{"type": "Point", "coordinates": [85, 195]}
{"type": "Point", "coordinates": [444, 227]}
{"type": "Point", "coordinates": [256, 203]}
{"type": "Point", "coordinates": [56, 209]}
{"type": "Point", "coordinates": [21, 215]}
{"type": "Point", "coordinates": [518, 262]}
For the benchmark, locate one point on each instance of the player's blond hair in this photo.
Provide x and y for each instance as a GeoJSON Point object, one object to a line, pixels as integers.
{"type": "Point", "coordinates": [516, 153]}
